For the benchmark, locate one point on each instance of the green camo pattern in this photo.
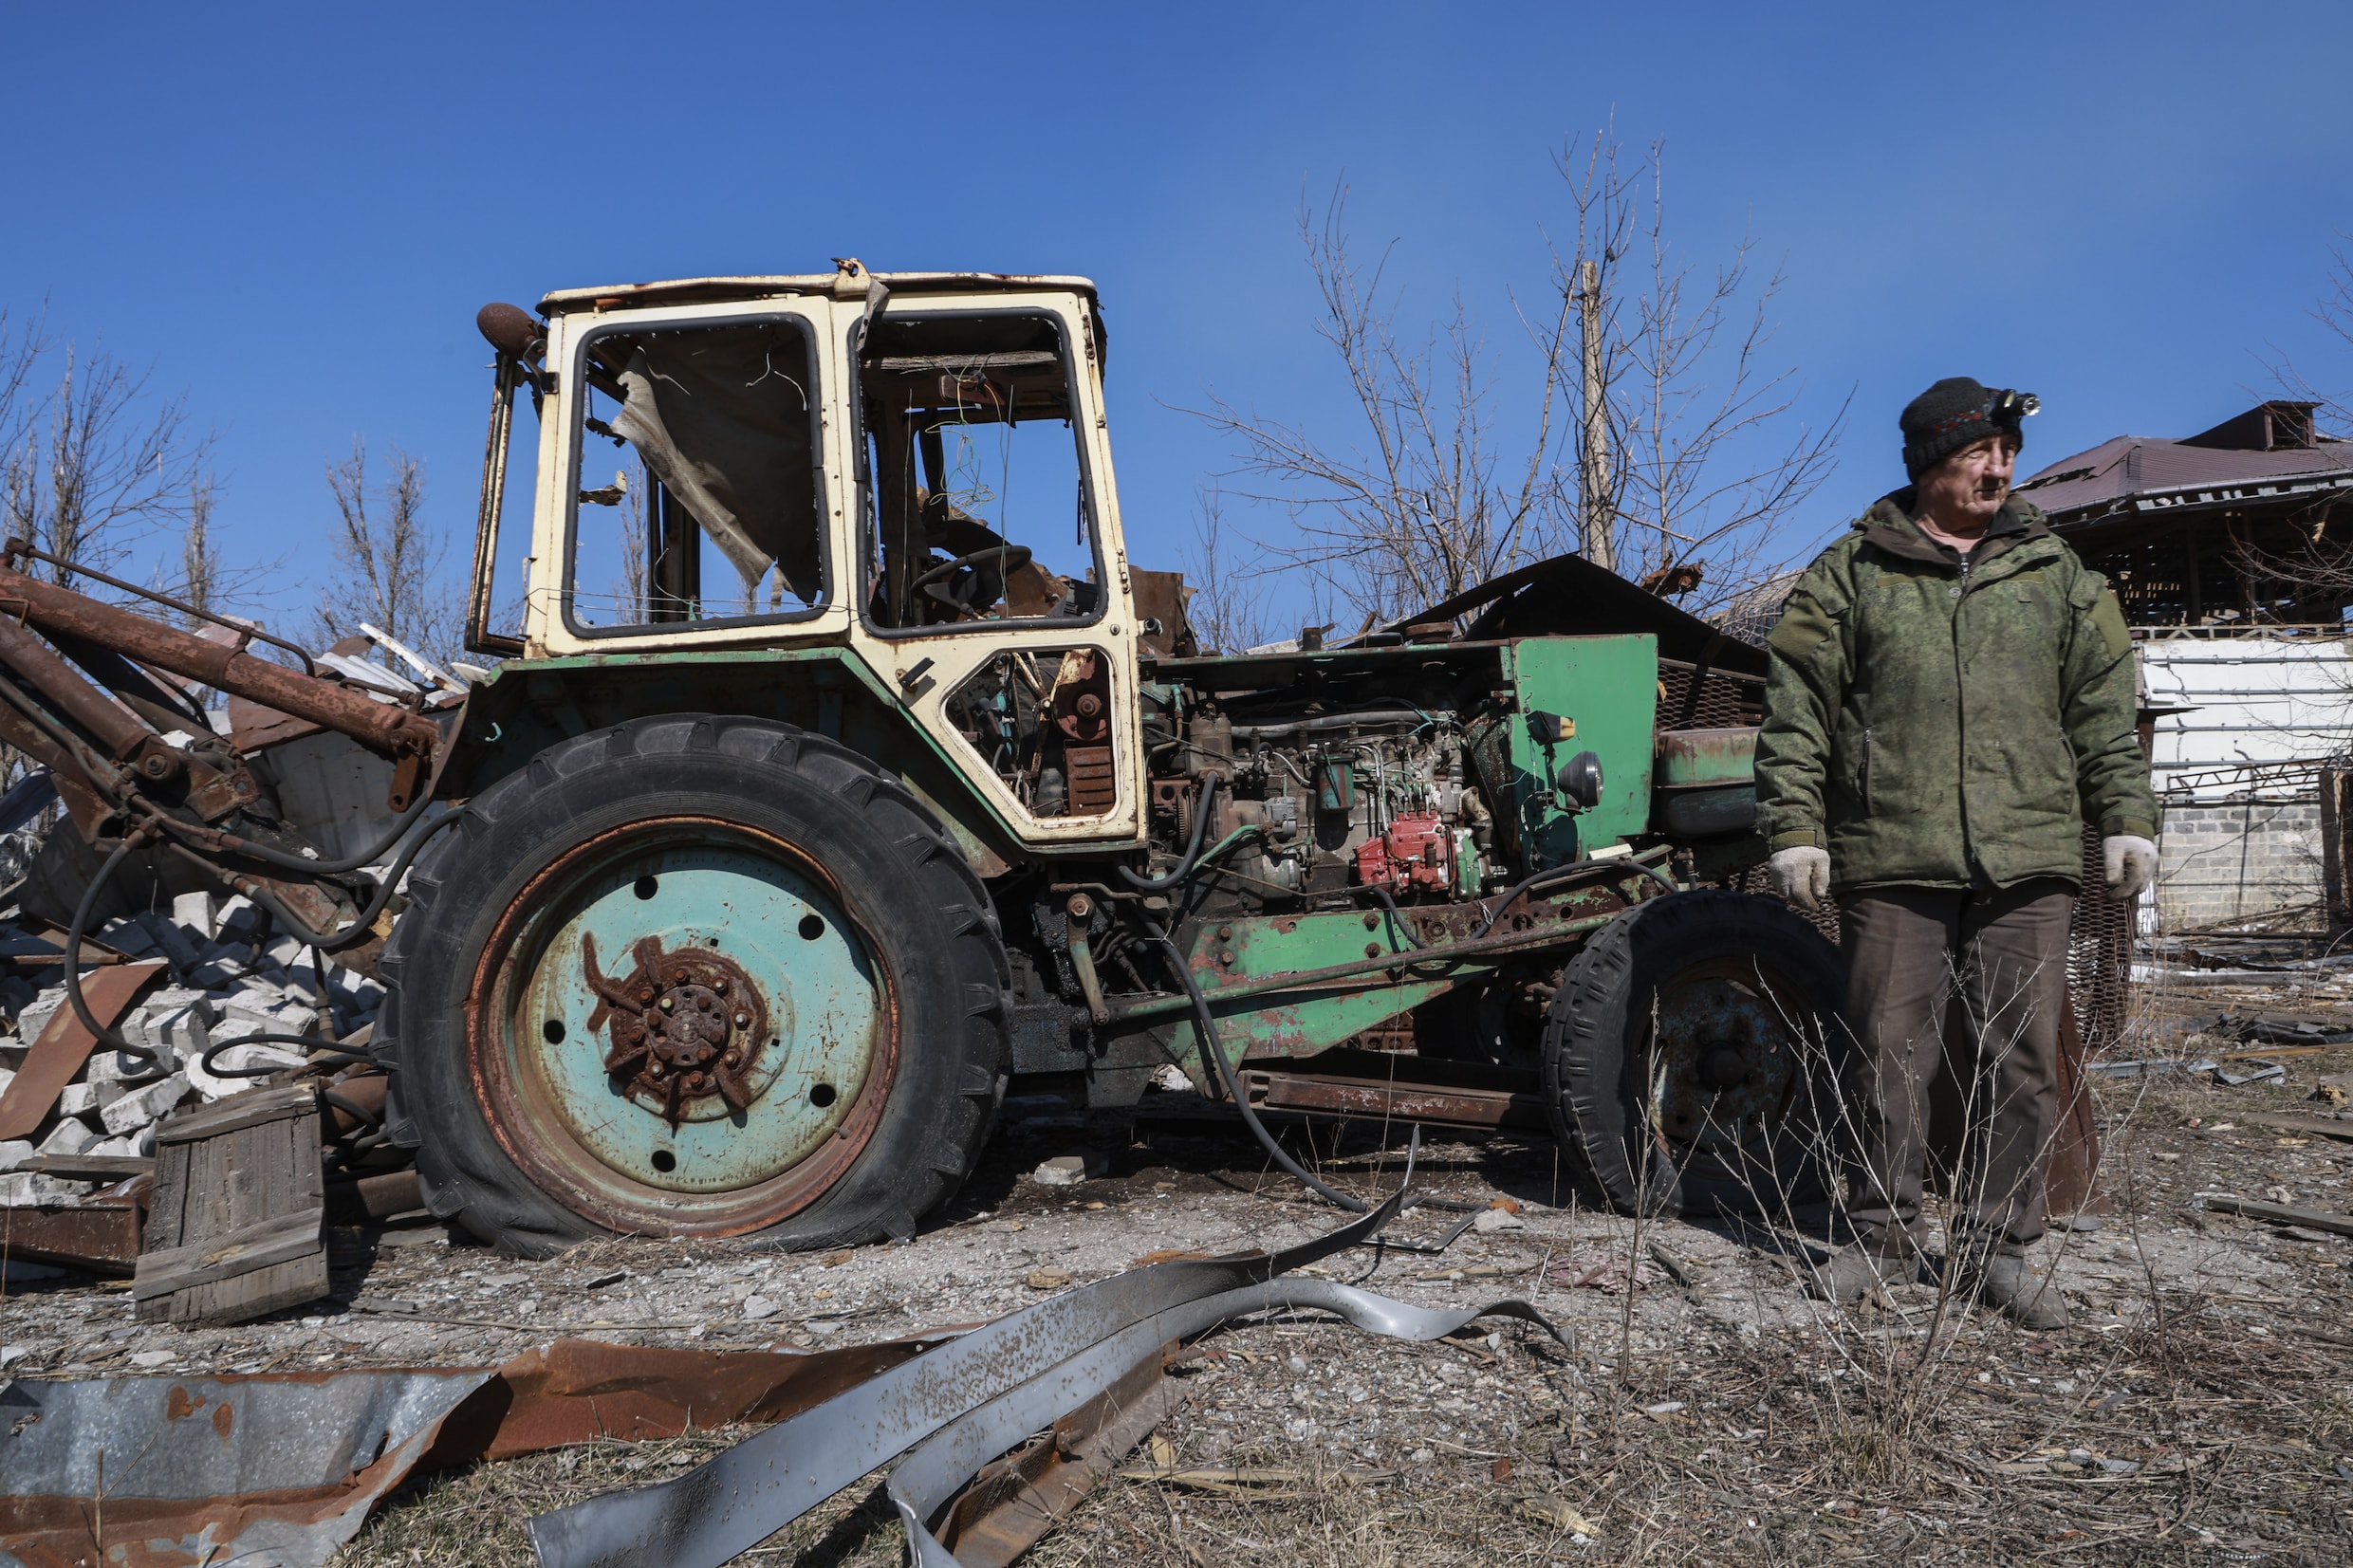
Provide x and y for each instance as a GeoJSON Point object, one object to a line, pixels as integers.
{"type": "Point", "coordinates": [1940, 724]}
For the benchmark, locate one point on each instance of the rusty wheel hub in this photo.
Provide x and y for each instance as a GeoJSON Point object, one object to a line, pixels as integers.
{"type": "Point", "coordinates": [685, 1026]}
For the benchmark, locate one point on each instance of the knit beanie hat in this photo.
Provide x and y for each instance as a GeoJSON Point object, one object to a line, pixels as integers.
{"type": "Point", "coordinates": [1955, 412]}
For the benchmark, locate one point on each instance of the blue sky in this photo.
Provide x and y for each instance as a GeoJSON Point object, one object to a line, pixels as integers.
{"type": "Point", "coordinates": [292, 214]}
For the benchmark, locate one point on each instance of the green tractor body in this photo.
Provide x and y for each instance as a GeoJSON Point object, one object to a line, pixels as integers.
{"type": "Point", "coordinates": [840, 775]}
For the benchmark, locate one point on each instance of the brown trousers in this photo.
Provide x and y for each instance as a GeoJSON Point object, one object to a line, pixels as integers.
{"type": "Point", "coordinates": [1907, 950]}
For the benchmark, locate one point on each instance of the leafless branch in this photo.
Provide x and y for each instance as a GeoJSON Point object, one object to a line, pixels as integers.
{"type": "Point", "coordinates": [388, 556]}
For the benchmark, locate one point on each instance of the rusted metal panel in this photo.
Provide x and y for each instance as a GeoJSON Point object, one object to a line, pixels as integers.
{"type": "Point", "coordinates": [277, 1468]}
{"type": "Point", "coordinates": [283, 1467]}
{"type": "Point", "coordinates": [1706, 757]}
{"type": "Point", "coordinates": [1387, 1102]}
{"type": "Point", "coordinates": [66, 1044]}
{"type": "Point", "coordinates": [99, 1235]}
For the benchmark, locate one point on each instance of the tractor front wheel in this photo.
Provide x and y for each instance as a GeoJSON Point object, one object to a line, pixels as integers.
{"type": "Point", "coordinates": [693, 975]}
{"type": "Point", "coordinates": [1692, 1056]}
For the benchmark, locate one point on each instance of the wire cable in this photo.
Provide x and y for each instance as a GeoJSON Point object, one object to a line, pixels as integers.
{"type": "Point", "coordinates": [1216, 1051]}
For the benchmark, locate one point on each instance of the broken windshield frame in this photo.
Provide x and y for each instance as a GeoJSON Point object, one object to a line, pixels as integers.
{"type": "Point", "coordinates": [980, 368]}
{"type": "Point", "coordinates": [675, 528]}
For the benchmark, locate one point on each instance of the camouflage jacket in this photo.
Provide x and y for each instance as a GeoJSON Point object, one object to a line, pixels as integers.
{"type": "Point", "coordinates": [1941, 722]}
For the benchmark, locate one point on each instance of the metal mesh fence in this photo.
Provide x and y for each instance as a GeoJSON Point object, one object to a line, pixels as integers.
{"type": "Point", "coordinates": [2099, 944]}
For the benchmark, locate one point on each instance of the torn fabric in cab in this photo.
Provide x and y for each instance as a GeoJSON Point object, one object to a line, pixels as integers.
{"type": "Point", "coordinates": [721, 416]}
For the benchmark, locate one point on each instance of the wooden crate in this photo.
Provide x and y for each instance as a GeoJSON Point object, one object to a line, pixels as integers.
{"type": "Point", "coordinates": [236, 1223]}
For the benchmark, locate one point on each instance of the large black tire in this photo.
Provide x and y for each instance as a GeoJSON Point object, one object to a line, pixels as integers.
{"type": "Point", "coordinates": [914, 920]}
{"type": "Point", "coordinates": [1692, 1056]}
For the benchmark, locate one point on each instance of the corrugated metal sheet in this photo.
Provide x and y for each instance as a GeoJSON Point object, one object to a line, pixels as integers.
{"type": "Point", "coordinates": [2258, 707]}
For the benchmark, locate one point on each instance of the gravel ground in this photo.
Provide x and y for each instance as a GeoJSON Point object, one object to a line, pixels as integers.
{"type": "Point", "coordinates": [2200, 1406]}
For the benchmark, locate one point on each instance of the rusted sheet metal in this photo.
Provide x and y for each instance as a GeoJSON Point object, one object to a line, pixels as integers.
{"type": "Point", "coordinates": [579, 1391]}
{"type": "Point", "coordinates": [166, 1472]}
{"type": "Point", "coordinates": [1706, 757]}
{"type": "Point", "coordinates": [65, 1045]}
{"type": "Point", "coordinates": [1010, 1504]}
{"type": "Point", "coordinates": [98, 1235]}
{"type": "Point", "coordinates": [1386, 1102]}
{"type": "Point", "coordinates": [981, 1393]}
{"type": "Point", "coordinates": [922, 1482]}
{"type": "Point", "coordinates": [283, 1467]}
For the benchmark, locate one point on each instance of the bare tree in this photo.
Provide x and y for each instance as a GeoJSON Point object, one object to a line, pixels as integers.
{"type": "Point", "coordinates": [389, 558]}
{"type": "Point", "coordinates": [1228, 608]}
{"type": "Point", "coordinates": [88, 466]}
{"type": "Point", "coordinates": [200, 584]}
{"type": "Point", "coordinates": [1702, 455]}
{"type": "Point", "coordinates": [1423, 505]}
{"type": "Point", "coordinates": [1706, 455]}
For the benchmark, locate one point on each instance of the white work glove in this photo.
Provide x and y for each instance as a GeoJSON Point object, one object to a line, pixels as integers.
{"type": "Point", "coordinates": [1801, 875]}
{"type": "Point", "coordinates": [2132, 865]}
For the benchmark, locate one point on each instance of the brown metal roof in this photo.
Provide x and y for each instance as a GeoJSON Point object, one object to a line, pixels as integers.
{"type": "Point", "coordinates": [2231, 465]}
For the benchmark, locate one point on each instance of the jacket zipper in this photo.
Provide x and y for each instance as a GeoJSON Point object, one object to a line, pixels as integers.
{"type": "Point", "coordinates": [1870, 757]}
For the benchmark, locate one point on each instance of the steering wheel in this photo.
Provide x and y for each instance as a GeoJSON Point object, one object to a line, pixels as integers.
{"type": "Point", "coordinates": [983, 584]}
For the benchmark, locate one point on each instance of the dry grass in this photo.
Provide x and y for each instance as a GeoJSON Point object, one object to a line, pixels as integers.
{"type": "Point", "coordinates": [2187, 1417]}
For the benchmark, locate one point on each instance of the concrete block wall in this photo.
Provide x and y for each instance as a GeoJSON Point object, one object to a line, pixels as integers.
{"type": "Point", "coordinates": [2238, 860]}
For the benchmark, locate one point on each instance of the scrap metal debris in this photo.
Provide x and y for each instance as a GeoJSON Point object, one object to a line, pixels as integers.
{"type": "Point", "coordinates": [963, 1404]}
{"type": "Point", "coordinates": [285, 1467]}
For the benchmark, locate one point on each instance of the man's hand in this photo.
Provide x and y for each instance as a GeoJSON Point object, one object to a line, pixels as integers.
{"type": "Point", "coordinates": [1801, 875]}
{"type": "Point", "coordinates": [2132, 865]}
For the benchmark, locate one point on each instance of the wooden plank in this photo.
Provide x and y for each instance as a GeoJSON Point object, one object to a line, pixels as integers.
{"type": "Point", "coordinates": [89, 1167]}
{"type": "Point", "coordinates": [249, 1109]}
{"type": "Point", "coordinates": [167, 1203]}
{"type": "Point", "coordinates": [240, 1251]}
{"type": "Point", "coordinates": [249, 1235]}
{"type": "Point", "coordinates": [65, 1045]}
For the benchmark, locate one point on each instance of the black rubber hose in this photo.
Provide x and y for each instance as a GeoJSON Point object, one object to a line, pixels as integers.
{"type": "Point", "coordinates": [271, 856]}
{"type": "Point", "coordinates": [106, 1037]}
{"type": "Point", "coordinates": [311, 1048]}
{"type": "Point", "coordinates": [1397, 916]}
{"type": "Point", "coordinates": [356, 932]}
{"type": "Point", "coordinates": [1557, 874]}
{"type": "Point", "coordinates": [1193, 851]}
{"type": "Point", "coordinates": [1215, 1047]}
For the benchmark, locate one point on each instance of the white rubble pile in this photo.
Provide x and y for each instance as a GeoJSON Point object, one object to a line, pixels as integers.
{"type": "Point", "coordinates": [225, 985]}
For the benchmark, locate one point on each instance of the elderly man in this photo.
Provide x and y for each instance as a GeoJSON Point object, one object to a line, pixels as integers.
{"type": "Point", "coordinates": [1950, 700]}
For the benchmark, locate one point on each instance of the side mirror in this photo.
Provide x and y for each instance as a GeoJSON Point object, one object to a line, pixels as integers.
{"type": "Point", "coordinates": [1580, 780]}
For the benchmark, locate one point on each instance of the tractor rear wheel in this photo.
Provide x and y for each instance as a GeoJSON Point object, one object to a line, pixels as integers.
{"type": "Point", "coordinates": [1692, 1056]}
{"type": "Point", "coordinates": [693, 975]}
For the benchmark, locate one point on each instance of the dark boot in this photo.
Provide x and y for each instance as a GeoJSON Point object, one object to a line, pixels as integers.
{"type": "Point", "coordinates": [1853, 1272]}
{"type": "Point", "coordinates": [2003, 1281]}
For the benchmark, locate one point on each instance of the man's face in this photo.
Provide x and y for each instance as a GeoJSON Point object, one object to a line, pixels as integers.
{"type": "Point", "coordinates": [1972, 483]}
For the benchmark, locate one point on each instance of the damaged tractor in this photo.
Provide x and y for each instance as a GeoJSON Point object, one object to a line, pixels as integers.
{"type": "Point", "coordinates": [839, 774]}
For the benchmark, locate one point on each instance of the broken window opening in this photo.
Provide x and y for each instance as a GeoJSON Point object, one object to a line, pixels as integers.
{"type": "Point", "coordinates": [715, 505]}
{"type": "Point", "coordinates": [1041, 720]}
{"type": "Point", "coordinates": [974, 457]}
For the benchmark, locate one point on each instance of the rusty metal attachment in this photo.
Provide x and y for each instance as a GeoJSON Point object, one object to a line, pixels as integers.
{"type": "Point", "coordinates": [686, 1024]}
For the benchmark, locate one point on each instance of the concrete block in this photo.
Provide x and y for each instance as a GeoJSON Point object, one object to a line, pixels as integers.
{"type": "Point", "coordinates": [128, 934]}
{"type": "Point", "coordinates": [173, 941]}
{"type": "Point", "coordinates": [212, 973]}
{"type": "Point", "coordinates": [70, 1136]}
{"type": "Point", "coordinates": [36, 1014]}
{"type": "Point", "coordinates": [8, 1076]}
{"type": "Point", "coordinates": [136, 1145]}
{"type": "Point", "coordinates": [82, 1099]}
{"type": "Point", "coordinates": [283, 950]}
{"type": "Point", "coordinates": [145, 1105]}
{"type": "Point", "coordinates": [238, 915]}
{"type": "Point", "coordinates": [272, 1057]}
{"type": "Point", "coordinates": [15, 1153]}
{"type": "Point", "coordinates": [193, 912]}
{"type": "Point", "coordinates": [22, 1188]}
